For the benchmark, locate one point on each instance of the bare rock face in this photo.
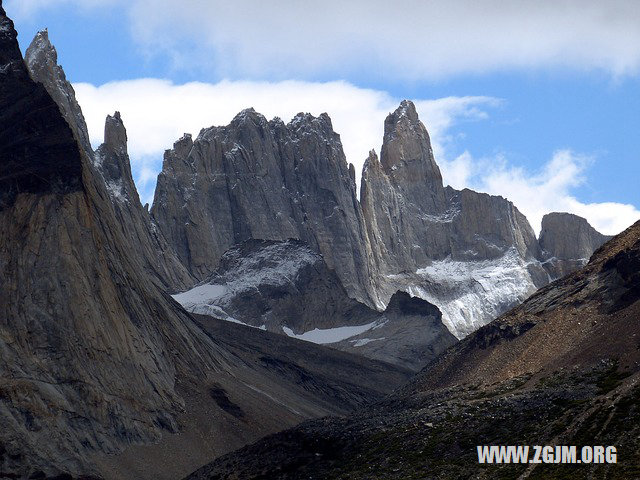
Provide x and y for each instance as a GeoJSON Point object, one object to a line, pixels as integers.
{"type": "Point", "coordinates": [96, 360]}
{"type": "Point", "coordinates": [29, 164]}
{"type": "Point", "coordinates": [264, 180]}
{"type": "Point", "coordinates": [567, 242]}
{"type": "Point", "coordinates": [473, 255]}
{"type": "Point", "coordinates": [436, 242]}
{"type": "Point", "coordinates": [418, 219]}
{"type": "Point", "coordinates": [285, 287]}
{"type": "Point", "coordinates": [41, 58]}
{"type": "Point", "coordinates": [111, 161]}
{"type": "Point", "coordinates": [90, 349]}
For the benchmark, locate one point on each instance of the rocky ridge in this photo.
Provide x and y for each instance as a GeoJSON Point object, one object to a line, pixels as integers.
{"type": "Point", "coordinates": [111, 161]}
{"type": "Point", "coordinates": [421, 232]}
{"type": "Point", "coordinates": [267, 180]}
{"type": "Point", "coordinates": [471, 254]}
{"type": "Point", "coordinates": [567, 242]}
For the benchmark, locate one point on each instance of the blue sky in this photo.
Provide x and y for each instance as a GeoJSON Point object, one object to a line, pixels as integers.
{"type": "Point", "coordinates": [535, 101]}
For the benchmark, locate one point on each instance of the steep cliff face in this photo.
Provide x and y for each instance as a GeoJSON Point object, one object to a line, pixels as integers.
{"type": "Point", "coordinates": [285, 287]}
{"type": "Point", "coordinates": [414, 218]}
{"type": "Point", "coordinates": [264, 180]}
{"type": "Point", "coordinates": [30, 164]}
{"type": "Point", "coordinates": [473, 255]}
{"type": "Point", "coordinates": [567, 242]}
{"type": "Point", "coordinates": [41, 58]}
{"type": "Point", "coordinates": [110, 161]}
{"type": "Point", "coordinates": [90, 349]}
{"type": "Point", "coordinates": [422, 232]}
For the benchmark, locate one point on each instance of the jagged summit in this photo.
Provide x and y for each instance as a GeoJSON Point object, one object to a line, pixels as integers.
{"type": "Point", "coordinates": [41, 49]}
{"type": "Point", "coordinates": [274, 181]}
{"type": "Point", "coordinates": [422, 233]}
{"type": "Point", "coordinates": [115, 134]}
{"type": "Point", "coordinates": [112, 161]}
{"type": "Point", "coordinates": [407, 145]}
{"type": "Point", "coordinates": [41, 58]}
{"type": "Point", "coordinates": [264, 180]}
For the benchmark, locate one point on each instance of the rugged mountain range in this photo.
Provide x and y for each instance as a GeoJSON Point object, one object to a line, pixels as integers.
{"type": "Point", "coordinates": [285, 287]}
{"type": "Point", "coordinates": [264, 180]}
{"type": "Point", "coordinates": [563, 368]}
{"type": "Point", "coordinates": [471, 254]}
{"type": "Point", "coordinates": [102, 373]}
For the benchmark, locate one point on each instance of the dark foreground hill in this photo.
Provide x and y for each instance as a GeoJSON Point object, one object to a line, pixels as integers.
{"type": "Point", "coordinates": [561, 369]}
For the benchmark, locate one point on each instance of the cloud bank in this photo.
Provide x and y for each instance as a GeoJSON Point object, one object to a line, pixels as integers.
{"type": "Point", "coordinates": [411, 39]}
{"type": "Point", "coordinates": [157, 112]}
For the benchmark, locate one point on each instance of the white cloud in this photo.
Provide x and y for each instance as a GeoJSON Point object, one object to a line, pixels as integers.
{"type": "Point", "coordinates": [405, 39]}
{"type": "Point", "coordinates": [549, 190]}
{"type": "Point", "coordinates": [409, 38]}
{"type": "Point", "coordinates": [157, 112]}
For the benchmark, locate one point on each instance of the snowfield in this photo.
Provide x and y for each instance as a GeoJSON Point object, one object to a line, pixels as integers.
{"type": "Point", "coordinates": [472, 293]}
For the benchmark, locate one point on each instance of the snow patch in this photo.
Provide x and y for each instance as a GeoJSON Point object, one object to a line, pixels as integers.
{"type": "Point", "coordinates": [364, 341]}
{"type": "Point", "coordinates": [330, 335]}
{"type": "Point", "coordinates": [116, 190]}
{"type": "Point", "coordinates": [200, 294]}
{"type": "Point", "coordinates": [472, 293]}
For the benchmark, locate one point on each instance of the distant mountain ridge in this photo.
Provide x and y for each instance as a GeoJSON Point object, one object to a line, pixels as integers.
{"type": "Point", "coordinates": [259, 179]}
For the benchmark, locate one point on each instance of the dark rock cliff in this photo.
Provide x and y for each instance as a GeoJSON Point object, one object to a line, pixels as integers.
{"type": "Point", "coordinates": [31, 164]}
{"type": "Point", "coordinates": [111, 161]}
{"type": "Point", "coordinates": [90, 349]}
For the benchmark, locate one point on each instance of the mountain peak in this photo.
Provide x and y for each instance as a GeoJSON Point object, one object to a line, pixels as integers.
{"type": "Point", "coordinates": [10, 56]}
{"type": "Point", "coordinates": [407, 109]}
{"type": "Point", "coordinates": [407, 145]}
{"type": "Point", "coordinates": [115, 134]}
{"type": "Point", "coordinates": [41, 50]}
{"type": "Point", "coordinates": [567, 241]}
{"type": "Point", "coordinates": [41, 60]}
{"type": "Point", "coordinates": [249, 114]}
{"type": "Point", "coordinates": [47, 163]}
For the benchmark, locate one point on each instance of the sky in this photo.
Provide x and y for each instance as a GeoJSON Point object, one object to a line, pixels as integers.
{"type": "Point", "coordinates": [537, 101]}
